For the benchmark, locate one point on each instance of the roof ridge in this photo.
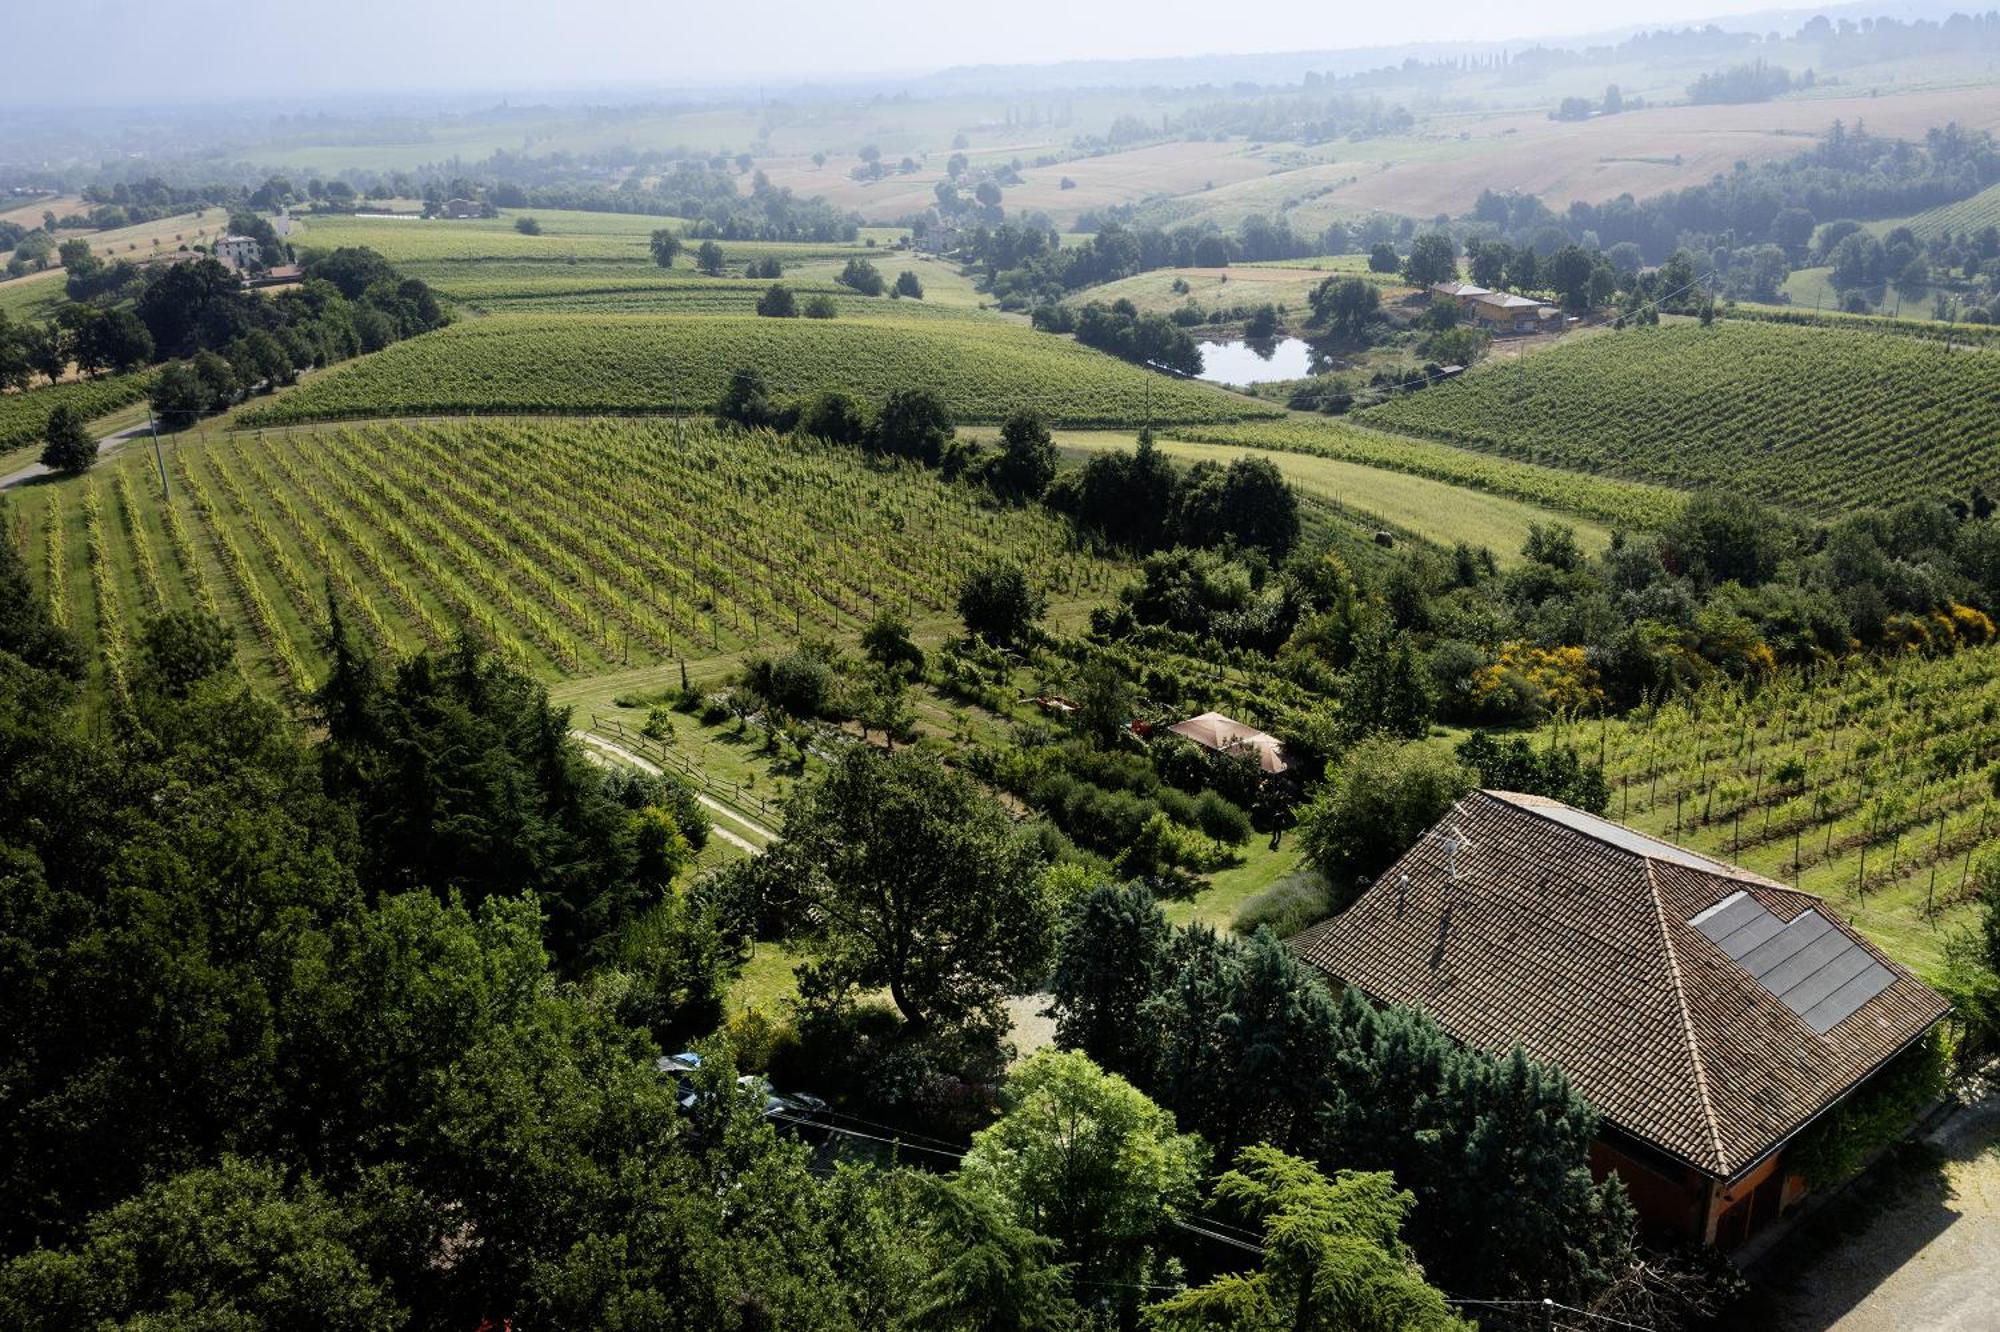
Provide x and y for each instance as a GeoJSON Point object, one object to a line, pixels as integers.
{"type": "Point", "coordinates": [1722, 869]}
{"type": "Point", "coordinates": [1708, 1116]}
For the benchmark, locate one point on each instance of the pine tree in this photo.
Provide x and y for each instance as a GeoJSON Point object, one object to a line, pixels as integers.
{"type": "Point", "coordinates": [1111, 962]}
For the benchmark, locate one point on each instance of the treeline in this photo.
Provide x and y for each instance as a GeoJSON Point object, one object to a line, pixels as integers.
{"type": "Point", "coordinates": [1136, 502]}
{"type": "Point", "coordinates": [1754, 81]}
{"type": "Point", "coordinates": [1119, 328]}
{"type": "Point", "coordinates": [1850, 173]}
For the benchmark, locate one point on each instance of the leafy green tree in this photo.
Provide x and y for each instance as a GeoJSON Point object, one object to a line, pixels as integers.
{"type": "Point", "coordinates": [908, 285]}
{"type": "Point", "coordinates": [179, 649]}
{"type": "Point", "coordinates": [233, 1245]}
{"type": "Point", "coordinates": [1084, 1158]}
{"type": "Point", "coordinates": [1433, 258]}
{"type": "Point", "coordinates": [821, 306]}
{"type": "Point", "coordinates": [835, 417]}
{"type": "Point", "coordinates": [1387, 688]}
{"type": "Point", "coordinates": [913, 423]}
{"type": "Point", "coordinates": [1334, 1256]}
{"type": "Point", "coordinates": [992, 1273]}
{"type": "Point", "coordinates": [527, 226]}
{"type": "Point", "coordinates": [746, 401]}
{"type": "Point", "coordinates": [998, 603]}
{"type": "Point", "coordinates": [68, 446]}
{"type": "Point", "coordinates": [1027, 461]}
{"type": "Point", "coordinates": [913, 880]}
{"type": "Point", "coordinates": [862, 276]}
{"type": "Point", "coordinates": [1558, 772]}
{"type": "Point", "coordinates": [887, 642]}
{"type": "Point", "coordinates": [1111, 961]}
{"type": "Point", "coordinates": [1381, 798]}
{"type": "Point", "coordinates": [1723, 536]}
{"type": "Point", "coordinates": [1345, 305]}
{"type": "Point", "coordinates": [1383, 258]}
{"type": "Point", "coordinates": [777, 302]}
{"type": "Point", "coordinates": [708, 258]}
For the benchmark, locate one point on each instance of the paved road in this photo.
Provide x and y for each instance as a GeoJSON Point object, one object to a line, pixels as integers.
{"type": "Point", "coordinates": [1926, 1258]}
{"type": "Point", "coordinates": [104, 446]}
{"type": "Point", "coordinates": [625, 755]}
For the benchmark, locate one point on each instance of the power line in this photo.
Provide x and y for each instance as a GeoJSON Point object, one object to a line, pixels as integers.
{"type": "Point", "coordinates": [1547, 1304]}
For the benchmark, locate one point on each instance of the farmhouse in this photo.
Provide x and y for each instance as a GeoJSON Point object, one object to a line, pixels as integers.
{"type": "Point", "coordinates": [1710, 1014]}
{"type": "Point", "coordinates": [241, 253]}
{"type": "Point", "coordinates": [1501, 311]}
{"type": "Point", "coordinates": [1223, 735]}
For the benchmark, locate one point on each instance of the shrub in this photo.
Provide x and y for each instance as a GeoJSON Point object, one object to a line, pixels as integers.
{"type": "Point", "coordinates": [1222, 819]}
{"type": "Point", "coordinates": [1287, 906]}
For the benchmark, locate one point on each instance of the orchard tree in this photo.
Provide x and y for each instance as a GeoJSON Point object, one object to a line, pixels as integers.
{"type": "Point", "coordinates": [68, 446]}
{"type": "Point", "coordinates": [913, 880]}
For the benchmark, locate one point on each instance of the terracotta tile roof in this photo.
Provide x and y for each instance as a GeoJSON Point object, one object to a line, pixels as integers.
{"type": "Point", "coordinates": [1569, 935]}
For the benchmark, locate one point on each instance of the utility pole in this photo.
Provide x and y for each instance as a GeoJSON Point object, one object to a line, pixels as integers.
{"type": "Point", "coordinates": [166, 492]}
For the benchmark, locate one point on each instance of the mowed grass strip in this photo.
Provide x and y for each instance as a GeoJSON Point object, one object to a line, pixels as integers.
{"type": "Point", "coordinates": [984, 370]}
{"type": "Point", "coordinates": [1585, 500]}
{"type": "Point", "coordinates": [1435, 511]}
{"type": "Point", "coordinates": [1825, 420]}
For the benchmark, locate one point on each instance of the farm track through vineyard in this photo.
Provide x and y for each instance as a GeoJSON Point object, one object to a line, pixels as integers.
{"type": "Point", "coordinates": [575, 547]}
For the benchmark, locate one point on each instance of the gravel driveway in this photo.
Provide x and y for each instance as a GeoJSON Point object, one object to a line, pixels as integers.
{"type": "Point", "coordinates": [1925, 1257]}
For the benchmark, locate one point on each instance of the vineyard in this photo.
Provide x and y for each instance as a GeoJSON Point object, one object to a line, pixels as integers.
{"type": "Point", "coordinates": [575, 548]}
{"type": "Point", "coordinates": [984, 369]}
{"type": "Point", "coordinates": [1820, 419]}
{"type": "Point", "coordinates": [1621, 503]}
{"type": "Point", "coordinates": [565, 236]}
{"type": "Point", "coordinates": [24, 415]}
{"type": "Point", "coordinates": [1966, 216]}
{"type": "Point", "coordinates": [1872, 784]}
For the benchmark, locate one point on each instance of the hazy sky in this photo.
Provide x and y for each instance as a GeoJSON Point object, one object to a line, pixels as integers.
{"type": "Point", "coordinates": [116, 50]}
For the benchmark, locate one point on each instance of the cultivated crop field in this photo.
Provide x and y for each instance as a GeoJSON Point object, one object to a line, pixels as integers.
{"type": "Point", "coordinates": [575, 547]}
{"type": "Point", "coordinates": [1877, 776]}
{"type": "Point", "coordinates": [1965, 216]}
{"type": "Point", "coordinates": [1619, 503]}
{"type": "Point", "coordinates": [984, 369]}
{"type": "Point", "coordinates": [1823, 419]}
{"type": "Point", "coordinates": [23, 416]}
{"type": "Point", "coordinates": [414, 243]}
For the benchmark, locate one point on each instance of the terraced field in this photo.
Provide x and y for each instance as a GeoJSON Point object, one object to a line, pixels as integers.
{"type": "Point", "coordinates": [575, 547]}
{"type": "Point", "coordinates": [984, 368]}
{"type": "Point", "coordinates": [1824, 420]}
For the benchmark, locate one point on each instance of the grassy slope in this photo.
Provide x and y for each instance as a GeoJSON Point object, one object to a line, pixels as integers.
{"type": "Point", "coordinates": [1821, 418]}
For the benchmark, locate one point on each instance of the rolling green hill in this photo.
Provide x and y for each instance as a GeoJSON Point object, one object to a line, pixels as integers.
{"type": "Point", "coordinates": [576, 547]}
{"type": "Point", "coordinates": [984, 369]}
{"type": "Point", "coordinates": [1823, 420]}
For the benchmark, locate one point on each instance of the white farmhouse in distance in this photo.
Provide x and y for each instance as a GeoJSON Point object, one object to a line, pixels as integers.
{"type": "Point", "coordinates": [241, 253]}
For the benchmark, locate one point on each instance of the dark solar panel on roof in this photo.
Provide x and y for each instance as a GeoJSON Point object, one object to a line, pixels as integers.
{"type": "Point", "coordinates": [1815, 969]}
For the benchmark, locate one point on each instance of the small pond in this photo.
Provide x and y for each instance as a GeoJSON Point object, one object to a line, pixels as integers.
{"type": "Point", "coordinates": [1256, 362]}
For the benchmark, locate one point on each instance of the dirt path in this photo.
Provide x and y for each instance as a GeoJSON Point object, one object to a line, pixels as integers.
{"type": "Point", "coordinates": [104, 446]}
{"type": "Point", "coordinates": [624, 755]}
{"type": "Point", "coordinates": [1924, 1253]}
